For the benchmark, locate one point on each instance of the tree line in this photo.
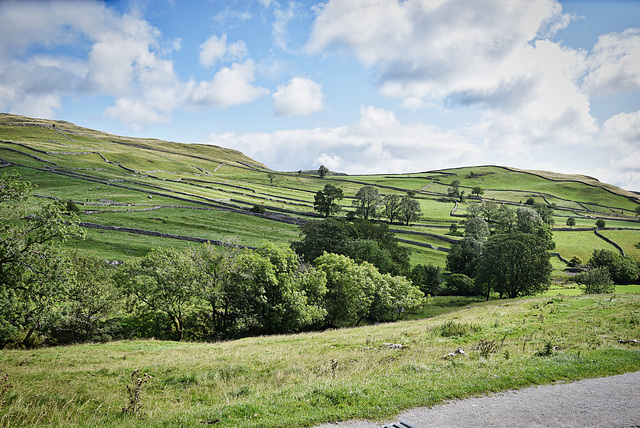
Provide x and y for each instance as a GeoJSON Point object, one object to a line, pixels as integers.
{"type": "Point", "coordinates": [52, 296]}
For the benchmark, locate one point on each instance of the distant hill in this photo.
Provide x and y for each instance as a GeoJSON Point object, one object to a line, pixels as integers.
{"type": "Point", "coordinates": [135, 194]}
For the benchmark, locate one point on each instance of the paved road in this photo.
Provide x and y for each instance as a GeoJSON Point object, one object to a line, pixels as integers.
{"type": "Point", "coordinates": [603, 402]}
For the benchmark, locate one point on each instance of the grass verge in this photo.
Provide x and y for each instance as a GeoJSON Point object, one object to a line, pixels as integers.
{"type": "Point", "coordinates": [306, 379]}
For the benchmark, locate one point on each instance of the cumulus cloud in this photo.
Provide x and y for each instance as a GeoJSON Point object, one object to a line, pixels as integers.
{"type": "Point", "coordinates": [230, 86]}
{"type": "Point", "coordinates": [216, 48]}
{"type": "Point", "coordinates": [300, 97]}
{"type": "Point", "coordinates": [614, 63]}
{"type": "Point", "coordinates": [126, 58]}
{"type": "Point", "coordinates": [355, 149]}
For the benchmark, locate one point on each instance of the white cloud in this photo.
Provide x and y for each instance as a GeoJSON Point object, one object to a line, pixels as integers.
{"type": "Point", "coordinates": [230, 86]}
{"type": "Point", "coordinates": [300, 97]}
{"type": "Point", "coordinates": [282, 18]}
{"type": "Point", "coordinates": [216, 48]}
{"type": "Point", "coordinates": [615, 63]}
{"type": "Point", "coordinates": [119, 55]}
{"type": "Point", "coordinates": [354, 149]}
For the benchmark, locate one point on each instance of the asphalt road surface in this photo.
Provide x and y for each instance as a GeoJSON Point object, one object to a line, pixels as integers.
{"type": "Point", "coordinates": [603, 402]}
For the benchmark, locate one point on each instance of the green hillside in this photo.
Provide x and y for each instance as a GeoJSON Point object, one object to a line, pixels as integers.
{"type": "Point", "coordinates": [206, 192]}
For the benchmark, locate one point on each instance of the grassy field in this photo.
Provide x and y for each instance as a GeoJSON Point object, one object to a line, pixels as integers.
{"type": "Point", "coordinates": [306, 379]}
{"type": "Point", "coordinates": [96, 170]}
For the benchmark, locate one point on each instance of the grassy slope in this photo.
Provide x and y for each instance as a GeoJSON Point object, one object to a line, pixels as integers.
{"type": "Point", "coordinates": [291, 380]}
{"type": "Point", "coordinates": [148, 173]}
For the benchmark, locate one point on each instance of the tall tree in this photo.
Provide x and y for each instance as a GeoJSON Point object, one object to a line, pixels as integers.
{"type": "Point", "coordinates": [409, 210]}
{"type": "Point", "coordinates": [392, 207]}
{"type": "Point", "coordinates": [326, 200]}
{"type": "Point", "coordinates": [323, 171]}
{"type": "Point", "coordinates": [366, 202]}
{"type": "Point", "coordinates": [515, 264]}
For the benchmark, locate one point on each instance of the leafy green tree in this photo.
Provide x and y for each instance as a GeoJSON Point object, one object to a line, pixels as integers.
{"type": "Point", "coordinates": [350, 289]}
{"type": "Point", "coordinates": [32, 267]}
{"type": "Point", "coordinates": [427, 278]}
{"type": "Point", "coordinates": [601, 222]}
{"type": "Point", "coordinates": [326, 200]}
{"type": "Point", "coordinates": [164, 281]}
{"type": "Point", "coordinates": [368, 250]}
{"type": "Point", "coordinates": [545, 211]}
{"type": "Point", "coordinates": [409, 210]}
{"type": "Point", "coordinates": [461, 285]}
{"type": "Point", "coordinates": [271, 176]}
{"type": "Point", "coordinates": [360, 239]}
{"type": "Point", "coordinates": [90, 310]}
{"type": "Point", "coordinates": [366, 202]}
{"type": "Point", "coordinates": [395, 298]}
{"type": "Point", "coordinates": [392, 207]}
{"type": "Point", "coordinates": [454, 190]}
{"type": "Point", "coordinates": [323, 171]}
{"type": "Point", "coordinates": [476, 228]}
{"type": "Point", "coordinates": [638, 210]}
{"type": "Point", "coordinates": [515, 264]}
{"type": "Point", "coordinates": [595, 281]}
{"type": "Point", "coordinates": [571, 221]}
{"type": "Point", "coordinates": [464, 255]}
{"type": "Point", "coordinates": [623, 270]}
{"type": "Point", "coordinates": [477, 190]}
{"type": "Point", "coordinates": [330, 235]}
{"type": "Point", "coordinates": [528, 221]}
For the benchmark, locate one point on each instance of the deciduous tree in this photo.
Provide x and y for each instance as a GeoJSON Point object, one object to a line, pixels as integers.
{"type": "Point", "coordinates": [366, 202]}
{"type": "Point", "coordinates": [326, 200]}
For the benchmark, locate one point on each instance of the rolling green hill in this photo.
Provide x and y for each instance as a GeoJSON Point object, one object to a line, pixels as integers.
{"type": "Point", "coordinates": [127, 188]}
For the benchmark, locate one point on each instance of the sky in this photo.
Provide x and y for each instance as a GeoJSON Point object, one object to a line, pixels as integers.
{"type": "Point", "coordinates": [360, 86]}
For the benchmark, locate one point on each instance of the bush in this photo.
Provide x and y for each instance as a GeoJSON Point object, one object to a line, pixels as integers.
{"type": "Point", "coordinates": [427, 279]}
{"type": "Point", "coordinates": [595, 281]}
{"type": "Point", "coordinates": [461, 285]}
{"type": "Point", "coordinates": [575, 261]}
{"type": "Point", "coordinates": [257, 209]}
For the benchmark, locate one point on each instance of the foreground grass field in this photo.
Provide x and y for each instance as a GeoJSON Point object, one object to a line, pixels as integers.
{"type": "Point", "coordinates": [306, 379]}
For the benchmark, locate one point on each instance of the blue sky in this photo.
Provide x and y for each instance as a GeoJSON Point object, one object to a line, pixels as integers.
{"type": "Point", "coordinates": [361, 86]}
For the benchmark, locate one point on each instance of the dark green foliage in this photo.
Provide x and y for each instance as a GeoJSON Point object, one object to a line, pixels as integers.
{"type": "Point", "coordinates": [571, 221]}
{"type": "Point", "coordinates": [325, 201]}
{"type": "Point", "coordinates": [623, 270]}
{"type": "Point", "coordinates": [409, 210]}
{"type": "Point", "coordinates": [464, 256]}
{"type": "Point", "coordinates": [515, 265]}
{"type": "Point", "coordinates": [360, 239]}
{"type": "Point", "coordinates": [259, 209]}
{"type": "Point", "coordinates": [323, 171]}
{"type": "Point", "coordinates": [90, 310]}
{"type": "Point", "coordinates": [601, 222]}
{"type": "Point", "coordinates": [427, 279]}
{"type": "Point", "coordinates": [391, 207]}
{"type": "Point", "coordinates": [318, 236]}
{"type": "Point", "coordinates": [366, 202]}
{"type": "Point", "coordinates": [477, 190]}
{"type": "Point", "coordinates": [595, 281]}
{"type": "Point", "coordinates": [462, 285]}
{"type": "Point", "coordinates": [530, 201]}
{"type": "Point", "coordinates": [575, 261]}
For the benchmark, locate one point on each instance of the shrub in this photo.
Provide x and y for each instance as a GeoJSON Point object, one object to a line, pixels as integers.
{"type": "Point", "coordinates": [461, 285]}
{"type": "Point", "coordinates": [575, 261]}
{"type": "Point", "coordinates": [257, 209]}
{"type": "Point", "coordinates": [595, 281]}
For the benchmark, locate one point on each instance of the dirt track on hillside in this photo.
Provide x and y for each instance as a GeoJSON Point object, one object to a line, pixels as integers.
{"type": "Point", "coordinates": [602, 402]}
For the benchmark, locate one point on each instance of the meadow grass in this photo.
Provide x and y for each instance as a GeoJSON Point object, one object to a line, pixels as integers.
{"type": "Point", "coordinates": [310, 378]}
{"type": "Point", "coordinates": [629, 240]}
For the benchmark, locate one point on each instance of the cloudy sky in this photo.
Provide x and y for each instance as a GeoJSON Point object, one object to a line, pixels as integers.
{"type": "Point", "coordinates": [361, 86]}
